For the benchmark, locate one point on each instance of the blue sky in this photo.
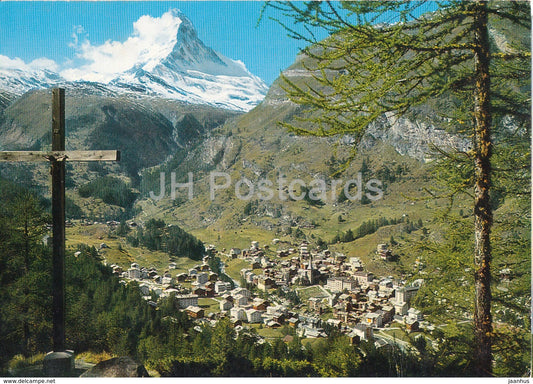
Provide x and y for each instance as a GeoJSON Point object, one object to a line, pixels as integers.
{"type": "Point", "coordinates": [57, 30]}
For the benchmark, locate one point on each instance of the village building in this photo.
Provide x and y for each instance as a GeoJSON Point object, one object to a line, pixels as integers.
{"type": "Point", "coordinates": [259, 304]}
{"type": "Point", "coordinates": [405, 294]}
{"type": "Point", "coordinates": [374, 319]}
{"type": "Point", "coordinates": [363, 278]}
{"type": "Point", "coordinates": [240, 300]}
{"type": "Point", "coordinates": [339, 284]}
{"type": "Point", "coordinates": [202, 278]}
{"type": "Point", "coordinates": [400, 308]}
{"type": "Point", "coordinates": [225, 305]}
{"type": "Point", "coordinates": [241, 291]}
{"type": "Point", "coordinates": [361, 332]}
{"type": "Point", "coordinates": [238, 314]}
{"type": "Point", "coordinates": [180, 278]}
{"type": "Point", "coordinates": [265, 283]}
{"type": "Point", "coordinates": [184, 301]}
{"type": "Point", "coordinates": [415, 314]}
{"type": "Point", "coordinates": [253, 316]}
{"type": "Point", "coordinates": [134, 273]}
{"type": "Point", "coordinates": [222, 286]}
{"type": "Point", "coordinates": [356, 264]}
{"type": "Point", "coordinates": [412, 325]}
{"type": "Point", "coordinates": [194, 312]}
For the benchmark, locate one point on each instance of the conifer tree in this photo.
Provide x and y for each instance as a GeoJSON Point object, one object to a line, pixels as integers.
{"type": "Point", "coordinates": [392, 57]}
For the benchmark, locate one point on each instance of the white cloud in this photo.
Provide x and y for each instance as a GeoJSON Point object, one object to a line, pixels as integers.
{"type": "Point", "coordinates": [37, 64]}
{"type": "Point", "coordinates": [153, 39]}
{"type": "Point", "coordinates": [76, 31]}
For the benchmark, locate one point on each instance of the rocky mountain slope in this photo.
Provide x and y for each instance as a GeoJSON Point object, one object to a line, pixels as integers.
{"type": "Point", "coordinates": [160, 134]}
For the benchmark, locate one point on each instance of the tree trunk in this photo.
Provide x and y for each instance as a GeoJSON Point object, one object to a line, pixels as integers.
{"type": "Point", "coordinates": [482, 207]}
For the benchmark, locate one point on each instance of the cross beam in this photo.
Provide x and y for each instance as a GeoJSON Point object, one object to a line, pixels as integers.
{"type": "Point", "coordinates": [35, 156]}
{"type": "Point", "coordinates": [57, 158]}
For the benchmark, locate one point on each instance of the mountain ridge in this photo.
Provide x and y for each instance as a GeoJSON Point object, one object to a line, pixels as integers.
{"type": "Point", "coordinates": [189, 72]}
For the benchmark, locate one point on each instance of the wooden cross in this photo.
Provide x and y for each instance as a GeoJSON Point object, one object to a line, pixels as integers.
{"type": "Point", "coordinates": [57, 158]}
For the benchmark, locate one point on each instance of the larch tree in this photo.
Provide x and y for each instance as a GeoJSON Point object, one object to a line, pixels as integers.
{"type": "Point", "coordinates": [390, 57]}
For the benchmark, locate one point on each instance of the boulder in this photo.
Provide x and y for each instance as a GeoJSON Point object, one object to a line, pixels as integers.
{"type": "Point", "coordinates": [123, 366]}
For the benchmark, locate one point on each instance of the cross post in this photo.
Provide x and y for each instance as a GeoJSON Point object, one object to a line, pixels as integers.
{"type": "Point", "coordinates": [59, 362]}
{"type": "Point", "coordinates": [58, 220]}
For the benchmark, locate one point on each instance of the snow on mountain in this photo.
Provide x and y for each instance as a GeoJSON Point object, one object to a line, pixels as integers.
{"type": "Point", "coordinates": [164, 58]}
{"type": "Point", "coordinates": [195, 73]}
{"type": "Point", "coordinates": [18, 77]}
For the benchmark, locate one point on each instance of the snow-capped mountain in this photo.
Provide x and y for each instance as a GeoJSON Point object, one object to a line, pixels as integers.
{"type": "Point", "coordinates": [183, 68]}
{"type": "Point", "coordinates": [19, 81]}
{"type": "Point", "coordinates": [195, 73]}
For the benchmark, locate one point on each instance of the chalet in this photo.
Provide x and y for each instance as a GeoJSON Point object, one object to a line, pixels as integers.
{"type": "Point", "coordinates": [388, 313]}
{"type": "Point", "coordinates": [202, 278]}
{"type": "Point", "coordinates": [293, 322]}
{"type": "Point", "coordinates": [194, 312]}
{"type": "Point", "coordinates": [273, 324]}
{"type": "Point", "coordinates": [198, 291]}
{"type": "Point", "coordinates": [315, 303]}
{"type": "Point", "coordinates": [169, 292]}
{"type": "Point", "coordinates": [276, 310]}
{"type": "Point", "coordinates": [228, 297]}
{"type": "Point", "coordinates": [412, 325]}
{"type": "Point", "coordinates": [259, 304]}
{"type": "Point", "coordinates": [313, 333]}
{"type": "Point", "coordinates": [250, 277]}
{"type": "Point", "coordinates": [181, 277]}
{"type": "Point", "coordinates": [236, 323]}
{"type": "Point", "coordinates": [399, 319]}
